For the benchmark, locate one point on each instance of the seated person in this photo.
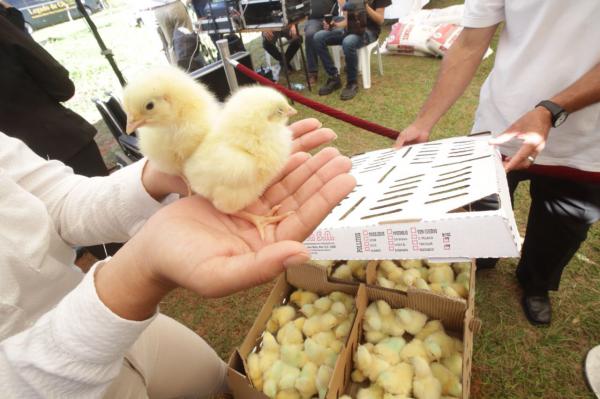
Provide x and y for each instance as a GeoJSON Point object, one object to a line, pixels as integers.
{"type": "Point", "coordinates": [336, 34]}
{"type": "Point", "coordinates": [270, 39]}
{"type": "Point", "coordinates": [318, 10]}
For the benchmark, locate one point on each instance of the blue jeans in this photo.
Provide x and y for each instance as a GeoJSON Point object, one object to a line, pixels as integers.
{"type": "Point", "coordinates": [311, 27]}
{"type": "Point", "coordinates": [350, 45]}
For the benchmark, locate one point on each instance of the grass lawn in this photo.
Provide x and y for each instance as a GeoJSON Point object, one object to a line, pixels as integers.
{"type": "Point", "coordinates": [511, 358]}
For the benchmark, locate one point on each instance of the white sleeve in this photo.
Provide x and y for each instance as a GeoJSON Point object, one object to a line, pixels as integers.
{"type": "Point", "coordinates": [73, 351]}
{"type": "Point", "coordinates": [85, 211]}
{"type": "Point", "coordinates": [483, 13]}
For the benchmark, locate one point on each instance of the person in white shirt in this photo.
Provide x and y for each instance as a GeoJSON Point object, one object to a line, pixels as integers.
{"type": "Point", "coordinates": [547, 67]}
{"type": "Point", "coordinates": [66, 335]}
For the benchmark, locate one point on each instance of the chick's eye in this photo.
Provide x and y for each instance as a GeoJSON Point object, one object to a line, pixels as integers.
{"type": "Point", "coordinates": [150, 106]}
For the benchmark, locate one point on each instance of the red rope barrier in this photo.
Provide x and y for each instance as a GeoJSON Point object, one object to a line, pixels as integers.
{"type": "Point", "coordinates": [325, 109]}
{"type": "Point", "coordinates": [554, 171]}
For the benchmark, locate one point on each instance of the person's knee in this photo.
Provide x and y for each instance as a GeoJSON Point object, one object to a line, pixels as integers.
{"type": "Point", "coordinates": [320, 38]}
{"type": "Point", "coordinates": [351, 43]}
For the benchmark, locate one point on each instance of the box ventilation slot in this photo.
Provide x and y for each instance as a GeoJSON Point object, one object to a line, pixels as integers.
{"type": "Point", "coordinates": [452, 182]}
{"type": "Point", "coordinates": [386, 174]}
{"type": "Point", "coordinates": [382, 213]}
{"type": "Point", "coordinates": [449, 190]}
{"type": "Point", "coordinates": [388, 205]}
{"type": "Point", "coordinates": [400, 190]}
{"type": "Point", "coordinates": [463, 161]}
{"type": "Point", "coordinates": [352, 208]}
{"type": "Point", "coordinates": [445, 198]}
{"type": "Point", "coordinates": [395, 196]}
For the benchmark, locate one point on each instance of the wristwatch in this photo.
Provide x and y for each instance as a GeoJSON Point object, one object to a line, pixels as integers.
{"type": "Point", "coordinates": [559, 115]}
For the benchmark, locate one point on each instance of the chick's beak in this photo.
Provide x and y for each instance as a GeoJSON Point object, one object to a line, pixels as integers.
{"type": "Point", "coordinates": [133, 124]}
{"type": "Point", "coordinates": [291, 111]}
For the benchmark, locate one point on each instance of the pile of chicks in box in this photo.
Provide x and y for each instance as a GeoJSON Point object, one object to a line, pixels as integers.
{"type": "Point", "coordinates": [402, 354]}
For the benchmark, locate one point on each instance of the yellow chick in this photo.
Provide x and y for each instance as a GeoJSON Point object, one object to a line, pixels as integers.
{"type": "Point", "coordinates": [288, 394]}
{"type": "Point", "coordinates": [288, 378]}
{"type": "Point", "coordinates": [372, 392]}
{"type": "Point", "coordinates": [172, 113]}
{"type": "Point", "coordinates": [293, 355]}
{"type": "Point", "coordinates": [440, 345]}
{"type": "Point", "coordinates": [358, 376]}
{"type": "Point", "coordinates": [375, 337]}
{"type": "Point", "coordinates": [454, 363]}
{"type": "Point", "coordinates": [289, 334]}
{"type": "Point", "coordinates": [346, 299]}
{"type": "Point", "coordinates": [411, 263]}
{"type": "Point", "coordinates": [425, 385]}
{"type": "Point", "coordinates": [460, 267]}
{"type": "Point", "coordinates": [429, 328]}
{"type": "Point", "coordinates": [422, 284]}
{"type": "Point", "coordinates": [323, 304]}
{"type": "Point", "coordinates": [397, 379]}
{"type": "Point", "coordinates": [342, 272]}
{"type": "Point", "coordinates": [389, 349]}
{"type": "Point", "coordinates": [343, 329]}
{"type": "Point", "coordinates": [345, 397]}
{"type": "Point", "coordinates": [412, 320]}
{"type": "Point", "coordinates": [279, 317]}
{"type": "Point", "coordinates": [451, 385]}
{"type": "Point", "coordinates": [254, 371]}
{"type": "Point", "coordinates": [307, 380]}
{"type": "Point", "coordinates": [410, 276]}
{"type": "Point", "coordinates": [301, 297]}
{"type": "Point", "coordinates": [387, 266]}
{"type": "Point", "coordinates": [322, 382]}
{"type": "Point", "coordinates": [440, 273]}
{"type": "Point", "coordinates": [246, 149]}
{"type": "Point", "coordinates": [385, 283]}
{"type": "Point", "coordinates": [415, 348]}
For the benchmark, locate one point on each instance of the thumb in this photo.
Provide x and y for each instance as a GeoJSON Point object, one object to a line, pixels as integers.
{"type": "Point", "coordinates": [399, 141]}
{"type": "Point", "coordinates": [502, 138]}
{"type": "Point", "coordinates": [224, 275]}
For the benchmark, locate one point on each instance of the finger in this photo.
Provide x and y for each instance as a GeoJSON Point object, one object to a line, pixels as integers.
{"type": "Point", "coordinates": [305, 219]}
{"type": "Point", "coordinates": [304, 126]}
{"type": "Point", "coordinates": [293, 181]}
{"type": "Point", "coordinates": [503, 138]}
{"type": "Point", "coordinates": [313, 139]}
{"type": "Point", "coordinates": [229, 274]}
{"type": "Point", "coordinates": [519, 160]}
{"type": "Point", "coordinates": [294, 162]}
{"type": "Point", "coordinates": [332, 169]}
{"type": "Point", "coordinates": [399, 142]}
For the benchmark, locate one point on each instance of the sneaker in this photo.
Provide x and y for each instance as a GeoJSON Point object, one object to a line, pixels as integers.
{"type": "Point", "coordinates": [349, 91]}
{"type": "Point", "coordinates": [333, 83]}
{"type": "Point", "coordinates": [537, 309]}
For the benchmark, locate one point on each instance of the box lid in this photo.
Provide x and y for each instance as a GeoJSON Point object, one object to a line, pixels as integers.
{"type": "Point", "coordinates": [416, 202]}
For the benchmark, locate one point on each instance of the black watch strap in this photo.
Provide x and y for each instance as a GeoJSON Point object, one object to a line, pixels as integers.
{"type": "Point", "coordinates": [559, 115]}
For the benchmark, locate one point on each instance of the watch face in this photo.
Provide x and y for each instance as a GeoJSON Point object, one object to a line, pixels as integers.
{"type": "Point", "coordinates": [560, 119]}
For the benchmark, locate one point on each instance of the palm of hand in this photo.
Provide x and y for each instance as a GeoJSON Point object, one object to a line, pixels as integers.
{"type": "Point", "coordinates": [233, 256]}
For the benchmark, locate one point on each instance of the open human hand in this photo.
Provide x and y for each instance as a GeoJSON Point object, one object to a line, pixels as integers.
{"type": "Point", "coordinates": [532, 130]}
{"type": "Point", "coordinates": [191, 244]}
{"type": "Point", "coordinates": [307, 134]}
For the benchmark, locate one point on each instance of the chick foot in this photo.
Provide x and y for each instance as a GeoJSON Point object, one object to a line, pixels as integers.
{"type": "Point", "coordinates": [260, 221]}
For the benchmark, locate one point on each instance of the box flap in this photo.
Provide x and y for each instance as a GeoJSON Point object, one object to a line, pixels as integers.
{"type": "Point", "coordinates": [403, 198]}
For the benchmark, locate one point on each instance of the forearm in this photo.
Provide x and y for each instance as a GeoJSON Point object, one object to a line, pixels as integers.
{"type": "Point", "coordinates": [584, 92]}
{"type": "Point", "coordinates": [73, 351]}
{"type": "Point", "coordinates": [456, 72]}
{"type": "Point", "coordinates": [376, 15]}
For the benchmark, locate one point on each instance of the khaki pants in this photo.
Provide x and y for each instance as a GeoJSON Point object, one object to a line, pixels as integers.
{"type": "Point", "coordinates": [170, 17]}
{"type": "Point", "coordinates": [169, 361]}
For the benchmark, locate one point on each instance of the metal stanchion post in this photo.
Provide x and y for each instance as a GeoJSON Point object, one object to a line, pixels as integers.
{"type": "Point", "coordinates": [223, 46]}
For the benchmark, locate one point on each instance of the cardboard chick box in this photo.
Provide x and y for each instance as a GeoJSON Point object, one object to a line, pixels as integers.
{"type": "Point", "coordinates": [416, 203]}
{"type": "Point", "coordinates": [456, 322]}
{"type": "Point", "coordinates": [374, 279]}
{"type": "Point", "coordinates": [299, 277]}
{"type": "Point", "coordinates": [311, 278]}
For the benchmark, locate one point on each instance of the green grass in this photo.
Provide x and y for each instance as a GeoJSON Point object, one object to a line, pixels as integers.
{"type": "Point", "coordinates": [511, 358]}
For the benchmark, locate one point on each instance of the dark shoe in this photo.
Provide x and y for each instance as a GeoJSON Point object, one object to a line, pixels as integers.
{"type": "Point", "coordinates": [313, 79]}
{"type": "Point", "coordinates": [537, 309]}
{"type": "Point", "coordinates": [349, 91]}
{"type": "Point", "coordinates": [333, 83]}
